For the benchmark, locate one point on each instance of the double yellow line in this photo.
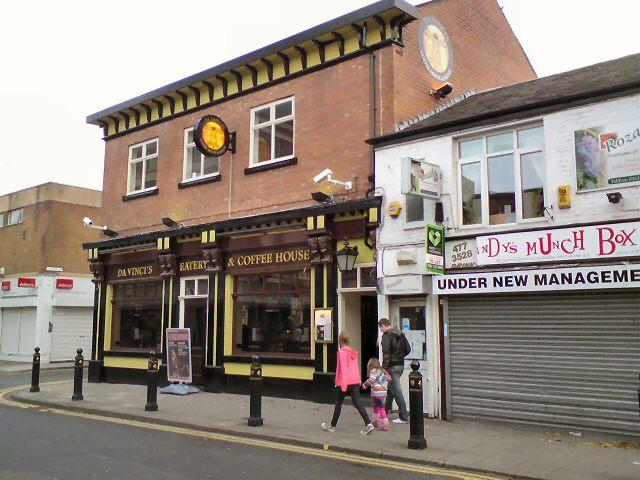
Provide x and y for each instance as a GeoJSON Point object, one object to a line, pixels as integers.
{"type": "Point", "coordinates": [253, 442]}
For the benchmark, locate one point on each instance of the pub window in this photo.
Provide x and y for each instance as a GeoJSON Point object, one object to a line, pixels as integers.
{"type": "Point", "coordinates": [196, 165]}
{"type": "Point", "coordinates": [136, 315]}
{"type": "Point", "coordinates": [272, 313]}
{"type": "Point", "coordinates": [143, 166]}
{"type": "Point", "coordinates": [502, 177]}
{"type": "Point", "coordinates": [272, 130]}
{"type": "Point", "coordinates": [15, 217]}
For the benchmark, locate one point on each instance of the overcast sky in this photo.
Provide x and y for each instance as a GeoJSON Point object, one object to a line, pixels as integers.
{"type": "Point", "coordinates": [63, 60]}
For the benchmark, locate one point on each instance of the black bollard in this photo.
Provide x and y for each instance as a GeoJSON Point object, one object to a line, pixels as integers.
{"type": "Point", "coordinates": [35, 371]}
{"type": "Point", "coordinates": [152, 384]}
{"type": "Point", "coordinates": [416, 415]}
{"type": "Point", "coordinates": [77, 376]}
{"type": "Point", "coordinates": [255, 402]}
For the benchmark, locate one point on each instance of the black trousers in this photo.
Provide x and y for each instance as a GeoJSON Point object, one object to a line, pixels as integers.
{"type": "Point", "coordinates": [354, 392]}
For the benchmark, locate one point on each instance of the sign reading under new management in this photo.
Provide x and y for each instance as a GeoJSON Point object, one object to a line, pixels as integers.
{"type": "Point", "coordinates": [179, 355]}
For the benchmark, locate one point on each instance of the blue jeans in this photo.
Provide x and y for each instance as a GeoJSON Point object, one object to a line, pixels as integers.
{"type": "Point", "coordinates": [395, 392]}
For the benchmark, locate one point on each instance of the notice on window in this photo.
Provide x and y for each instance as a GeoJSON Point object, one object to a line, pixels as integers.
{"type": "Point", "coordinates": [179, 355]}
{"type": "Point", "coordinates": [417, 340]}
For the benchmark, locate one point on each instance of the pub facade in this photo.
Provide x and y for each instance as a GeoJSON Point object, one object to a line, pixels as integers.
{"type": "Point", "coordinates": [245, 245]}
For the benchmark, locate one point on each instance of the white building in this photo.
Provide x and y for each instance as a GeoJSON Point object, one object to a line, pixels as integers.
{"type": "Point", "coordinates": [537, 319]}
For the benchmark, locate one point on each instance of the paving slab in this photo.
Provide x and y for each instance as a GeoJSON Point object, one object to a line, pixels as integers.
{"type": "Point", "coordinates": [486, 447]}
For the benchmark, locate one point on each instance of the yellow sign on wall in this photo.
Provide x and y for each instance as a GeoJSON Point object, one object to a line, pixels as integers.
{"type": "Point", "coordinates": [564, 196]}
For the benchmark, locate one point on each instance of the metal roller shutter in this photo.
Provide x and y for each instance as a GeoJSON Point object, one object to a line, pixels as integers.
{"type": "Point", "coordinates": [10, 330]}
{"type": "Point", "coordinates": [567, 360]}
{"type": "Point", "coordinates": [71, 330]}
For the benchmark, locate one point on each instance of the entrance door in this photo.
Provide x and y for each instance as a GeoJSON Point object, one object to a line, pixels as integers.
{"type": "Point", "coordinates": [368, 330]}
{"type": "Point", "coordinates": [194, 301]}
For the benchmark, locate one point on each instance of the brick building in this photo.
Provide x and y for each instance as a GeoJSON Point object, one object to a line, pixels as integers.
{"type": "Point", "coordinates": [47, 296]}
{"type": "Point", "coordinates": [294, 108]}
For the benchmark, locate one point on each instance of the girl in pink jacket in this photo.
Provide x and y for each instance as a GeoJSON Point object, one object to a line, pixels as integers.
{"type": "Point", "coordinates": [348, 383]}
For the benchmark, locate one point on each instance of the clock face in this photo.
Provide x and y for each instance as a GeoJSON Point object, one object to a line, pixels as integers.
{"type": "Point", "coordinates": [435, 48]}
{"type": "Point", "coordinates": [211, 136]}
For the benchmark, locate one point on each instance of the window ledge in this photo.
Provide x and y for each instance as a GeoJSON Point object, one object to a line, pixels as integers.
{"type": "Point", "coordinates": [200, 181]}
{"type": "Point", "coordinates": [270, 166]}
{"type": "Point", "coordinates": [146, 193]}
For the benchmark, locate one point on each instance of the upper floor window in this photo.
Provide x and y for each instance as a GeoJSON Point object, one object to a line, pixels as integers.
{"type": "Point", "coordinates": [272, 132]}
{"type": "Point", "coordinates": [15, 217]}
{"type": "Point", "coordinates": [196, 165]}
{"type": "Point", "coordinates": [502, 177]}
{"type": "Point", "coordinates": [1, 219]}
{"type": "Point", "coordinates": [143, 166]}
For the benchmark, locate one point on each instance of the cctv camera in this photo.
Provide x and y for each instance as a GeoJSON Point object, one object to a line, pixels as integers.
{"type": "Point", "coordinates": [442, 91]}
{"type": "Point", "coordinates": [323, 175]}
{"type": "Point", "coordinates": [87, 221]}
{"type": "Point", "coordinates": [614, 197]}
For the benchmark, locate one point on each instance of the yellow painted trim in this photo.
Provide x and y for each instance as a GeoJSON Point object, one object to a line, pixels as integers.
{"type": "Point", "coordinates": [212, 236]}
{"type": "Point", "coordinates": [272, 371]}
{"type": "Point", "coordinates": [166, 243]}
{"type": "Point", "coordinates": [128, 362]}
{"type": "Point", "coordinates": [228, 315]}
{"type": "Point", "coordinates": [164, 283]}
{"type": "Point", "coordinates": [325, 303]}
{"type": "Point", "coordinates": [365, 254]}
{"type": "Point", "coordinates": [204, 238]}
{"type": "Point", "coordinates": [310, 222]}
{"type": "Point", "coordinates": [320, 221]}
{"type": "Point", "coordinates": [108, 317]}
{"type": "Point", "coordinates": [325, 352]}
{"type": "Point", "coordinates": [96, 333]}
{"type": "Point", "coordinates": [215, 317]}
{"type": "Point", "coordinates": [349, 216]}
{"type": "Point", "coordinates": [373, 214]}
{"type": "Point", "coordinates": [159, 244]}
{"type": "Point", "coordinates": [170, 299]}
{"type": "Point", "coordinates": [288, 230]}
{"type": "Point", "coordinates": [313, 304]}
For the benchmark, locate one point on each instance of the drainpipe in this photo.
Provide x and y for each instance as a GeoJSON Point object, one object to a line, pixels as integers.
{"type": "Point", "coordinates": [372, 119]}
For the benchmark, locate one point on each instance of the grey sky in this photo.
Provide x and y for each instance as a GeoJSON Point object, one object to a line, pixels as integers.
{"type": "Point", "coordinates": [63, 60]}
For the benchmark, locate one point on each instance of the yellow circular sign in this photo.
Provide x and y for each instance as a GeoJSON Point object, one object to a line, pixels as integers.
{"type": "Point", "coordinates": [436, 49]}
{"type": "Point", "coordinates": [213, 135]}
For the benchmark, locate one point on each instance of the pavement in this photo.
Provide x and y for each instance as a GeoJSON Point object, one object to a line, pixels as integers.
{"type": "Point", "coordinates": [471, 446]}
{"type": "Point", "coordinates": [12, 367]}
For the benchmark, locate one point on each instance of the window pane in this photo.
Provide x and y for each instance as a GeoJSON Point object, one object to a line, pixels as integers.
{"type": "Point", "coordinates": [262, 144]}
{"type": "Point", "coordinates": [287, 281]}
{"type": "Point", "coordinates": [203, 286]}
{"type": "Point", "coordinates": [415, 208]}
{"type": "Point", "coordinates": [262, 116]}
{"type": "Point", "coordinates": [193, 162]}
{"type": "Point", "coordinates": [210, 165]}
{"type": "Point", "coordinates": [284, 139]}
{"type": "Point", "coordinates": [190, 136]}
{"type": "Point", "coordinates": [272, 282]}
{"type": "Point", "coordinates": [15, 217]}
{"type": "Point", "coordinates": [533, 175]}
{"type": "Point", "coordinates": [189, 287]}
{"type": "Point", "coordinates": [283, 109]}
{"type": "Point", "coordinates": [471, 148]}
{"type": "Point", "coordinates": [195, 318]}
{"type": "Point", "coordinates": [531, 137]}
{"type": "Point", "coordinates": [502, 196]}
{"type": "Point", "coordinates": [152, 148]}
{"type": "Point", "coordinates": [1, 219]}
{"type": "Point", "coordinates": [136, 316]}
{"type": "Point", "coordinates": [500, 143]}
{"type": "Point", "coordinates": [136, 152]}
{"type": "Point", "coordinates": [135, 180]}
{"type": "Point", "coordinates": [471, 186]}
{"type": "Point", "coordinates": [350, 279]}
{"type": "Point", "coordinates": [151, 173]}
{"type": "Point", "coordinates": [367, 277]}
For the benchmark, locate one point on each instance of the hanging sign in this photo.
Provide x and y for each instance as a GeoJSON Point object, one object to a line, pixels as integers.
{"type": "Point", "coordinates": [435, 248]}
{"type": "Point", "coordinates": [581, 278]}
{"type": "Point", "coordinates": [179, 355]}
{"type": "Point", "coordinates": [569, 244]}
{"type": "Point", "coordinates": [211, 136]}
{"type": "Point", "coordinates": [421, 178]}
{"type": "Point", "coordinates": [27, 282]}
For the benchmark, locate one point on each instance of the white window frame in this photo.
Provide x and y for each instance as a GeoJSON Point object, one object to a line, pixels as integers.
{"type": "Point", "coordinates": [271, 123]}
{"type": "Point", "coordinates": [484, 174]}
{"type": "Point", "coordinates": [182, 297]}
{"type": "Point", "coordinates": [358, 287]}
{"type": "Point", "coordinates": [20, 218]}
{"type": "Point", "coordinates": [1, 219]}
{"type": "Point", "coordinates": [142, 159]}
{"type": "Point", "coordinates": [185, 179]}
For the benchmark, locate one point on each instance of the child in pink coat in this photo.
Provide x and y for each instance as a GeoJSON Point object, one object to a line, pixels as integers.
{"type": "Point", "coordinates": [348, 383]}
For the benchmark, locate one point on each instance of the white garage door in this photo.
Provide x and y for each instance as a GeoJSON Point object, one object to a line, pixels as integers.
{"type": "Point", "coordinates": [72, 329]}
{"type": "Point", "coordinates": [18, 331]}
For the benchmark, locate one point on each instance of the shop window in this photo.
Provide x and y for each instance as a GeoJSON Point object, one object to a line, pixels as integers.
{"type": "Point", "coordinates": [15, 217]}
{"type": "Point", "coordinates": [502, 177]}
{"type": "Point", "coordinates": [196, 165]}
{"type": "Point", "coordinates": [272, 132]}
{"type": "Point", "coordinates": [272, 313]}
{"type": "Point", "coordinates": [136, 316]}
{"type": "Point", "coordinates": [143, 167]}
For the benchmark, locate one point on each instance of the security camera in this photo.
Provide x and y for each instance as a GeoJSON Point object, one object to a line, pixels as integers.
{"type": "Point", "coordinates": [614, 197]}
{"type": "Point", "coordinates": [87, 221]}
{"type": "Point", "coordinates": [442, 91]}
{"type": "Point", "coordinates": [323, 175]}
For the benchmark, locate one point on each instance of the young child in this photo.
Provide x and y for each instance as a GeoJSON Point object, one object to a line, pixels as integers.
{"type": "Point", "coordinates": [378, 381]}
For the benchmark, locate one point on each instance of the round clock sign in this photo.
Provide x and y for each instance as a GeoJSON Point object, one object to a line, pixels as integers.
{"type": "Point", "coordinates": [211, 136]}
{"type": "Point", "coordinates": [435, 48]}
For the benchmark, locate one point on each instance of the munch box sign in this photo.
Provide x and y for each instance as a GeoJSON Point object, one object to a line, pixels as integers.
{"type": "Point", "coordinates": [578, 243]}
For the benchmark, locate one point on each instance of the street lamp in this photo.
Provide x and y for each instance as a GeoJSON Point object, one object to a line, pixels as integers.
{"type": "Point", "coordinates": [347, 257]}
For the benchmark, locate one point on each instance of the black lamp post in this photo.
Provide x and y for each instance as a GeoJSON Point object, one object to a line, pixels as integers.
{"type": "Point", "coordinates": [347, 257]}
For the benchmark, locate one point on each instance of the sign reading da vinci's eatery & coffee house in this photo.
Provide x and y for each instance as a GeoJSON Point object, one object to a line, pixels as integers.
{"type": "Point", "coordinates": [563, 244]}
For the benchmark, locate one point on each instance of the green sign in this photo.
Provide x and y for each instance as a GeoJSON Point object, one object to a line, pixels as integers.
{"type": "Point", "coordinates": [434, 242]}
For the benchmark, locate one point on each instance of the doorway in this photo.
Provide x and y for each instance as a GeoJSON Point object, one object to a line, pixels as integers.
{"type": "Point", "coordinates": [359, 317]}
{"type": "Point", "coordinates": [194, 300]}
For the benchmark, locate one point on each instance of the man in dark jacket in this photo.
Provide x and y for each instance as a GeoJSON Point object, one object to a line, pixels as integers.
{"type": "Point", "coordinates": [393, 352]}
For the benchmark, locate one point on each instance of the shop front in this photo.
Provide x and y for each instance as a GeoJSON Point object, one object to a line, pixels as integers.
{"type": "Point", "coordinates": [545, 343]}
{"type": "Point", "coordinates": [243, 288]}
